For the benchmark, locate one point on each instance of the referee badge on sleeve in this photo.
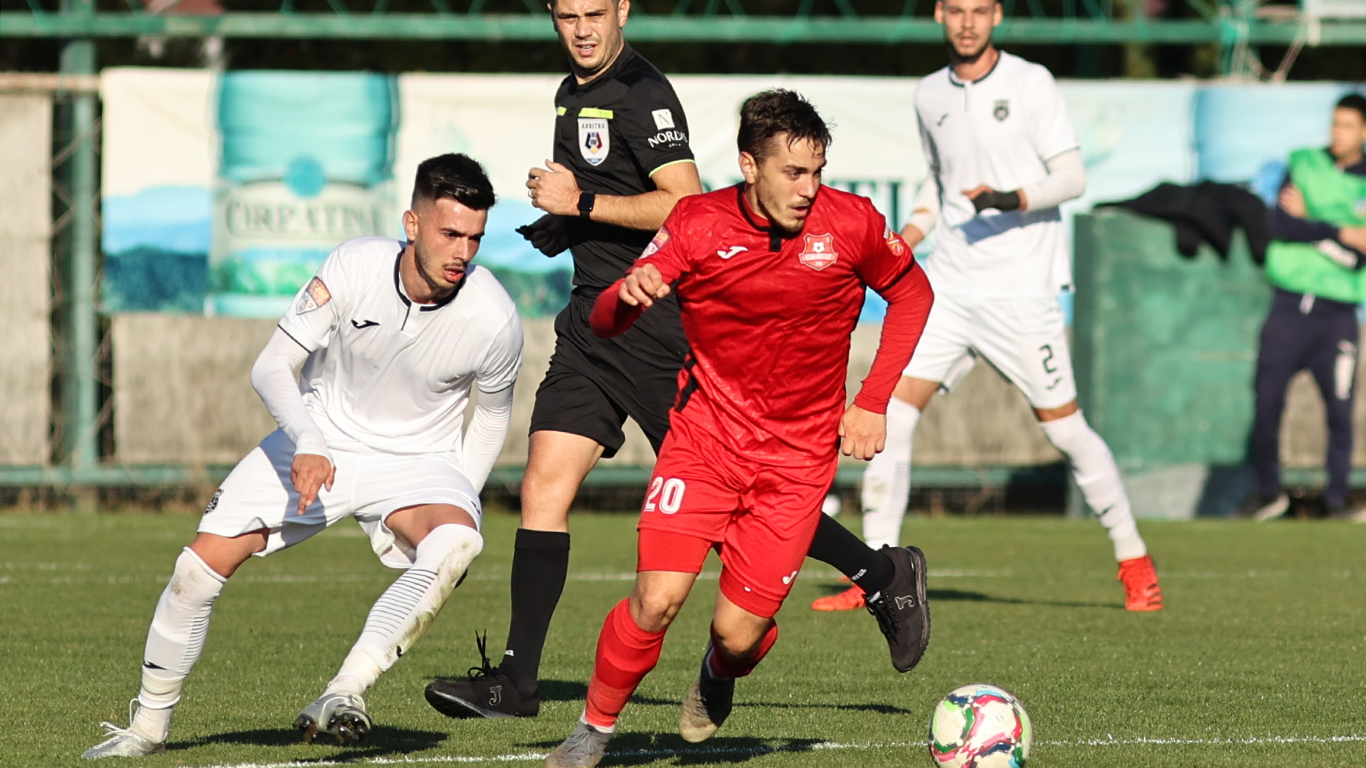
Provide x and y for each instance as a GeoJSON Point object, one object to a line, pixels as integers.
{"type": "Point", "coordinates": [595, 141]}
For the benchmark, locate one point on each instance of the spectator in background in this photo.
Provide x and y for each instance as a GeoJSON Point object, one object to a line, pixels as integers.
{"type": "Point", "coordinates": [1315, 266]}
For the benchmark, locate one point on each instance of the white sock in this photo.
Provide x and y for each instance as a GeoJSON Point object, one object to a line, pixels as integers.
{"type": "Point", "coordinates": [1097, 475]}
{"type": "Point", "coordinates": [887, 480]}
{"type": "Point", "coordinates": [408, 606]}
{"type": "Point", "coordinates": [174, 641]}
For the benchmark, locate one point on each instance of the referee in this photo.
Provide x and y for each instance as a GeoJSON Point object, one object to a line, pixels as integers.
{"type": "Point", "coordinates": [621, 162]}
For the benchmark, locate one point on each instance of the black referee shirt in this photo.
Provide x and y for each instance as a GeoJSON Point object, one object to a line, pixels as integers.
{"type": "Point", "coordinates": [613, 133]}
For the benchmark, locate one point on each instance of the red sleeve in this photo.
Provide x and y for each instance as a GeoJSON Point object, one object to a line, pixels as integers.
{"type": "Point", "coordinates": [889, 268]}
{"type": "Point", "coordinates": [611, 316]}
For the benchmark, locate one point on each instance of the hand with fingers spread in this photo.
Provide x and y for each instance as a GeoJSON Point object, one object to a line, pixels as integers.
{"type": "Point", "coordinates": [863, 434]}
{"type": "Point", "coordinates": [310, 473]}
{"type": "Point", "coordinates": [554, 189]}
{"type": "Point", "coordinates": [642, 286]}
{"type": "Point", "coordinates": [548, 234]}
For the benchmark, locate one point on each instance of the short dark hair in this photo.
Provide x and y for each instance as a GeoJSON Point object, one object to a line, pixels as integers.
{"type": "Point", "coordinates": [454, 177]}
{"type": "Point", "coordinates": [1353, 101]}
{"type": "Point", "coordinates": [765, 115]}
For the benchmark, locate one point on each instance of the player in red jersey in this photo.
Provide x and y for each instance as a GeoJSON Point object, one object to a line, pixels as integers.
{"type": "Point", "coordinates": [770, 276]}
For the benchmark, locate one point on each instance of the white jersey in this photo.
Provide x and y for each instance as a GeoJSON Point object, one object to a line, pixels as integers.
{"type": "Point", "coordinates": [999, 131]}
{"type": "Point", "coordinates": [387, 375]}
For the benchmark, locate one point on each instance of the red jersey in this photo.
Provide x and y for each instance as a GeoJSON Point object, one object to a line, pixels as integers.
{"type": "Point", "coordinates": [769, 316]}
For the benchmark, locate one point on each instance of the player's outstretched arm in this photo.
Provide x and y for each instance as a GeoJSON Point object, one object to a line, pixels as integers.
{"type": "Point", "coordinates": [554, 189]}
{"type": "Point", "coordinates": [908, 307]}
{"type": "Point", "coordinates": [272, 375]}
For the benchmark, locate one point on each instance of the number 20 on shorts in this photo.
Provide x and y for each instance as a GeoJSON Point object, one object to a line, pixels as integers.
{"type": "Point", "coordinates": [665, 495]}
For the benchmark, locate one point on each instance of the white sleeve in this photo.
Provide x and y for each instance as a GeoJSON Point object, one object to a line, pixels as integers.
{"type": "Point", "coordinates": [312, 319]}
{"type": "Point", "coordinates": [273, 378]}
{"type": "Point", "coordinates": [503, 358]}
{"type": "Point", "coordinates": [484, 437]}
{"type": "Point", "coordinates": [488, 426]}
{"type": "Point", "coordinates": [1050, 128]}
{"type": "Point", "coordinates": [1066, 180]}
{"type": "Point", "coordinates": [925, 211]}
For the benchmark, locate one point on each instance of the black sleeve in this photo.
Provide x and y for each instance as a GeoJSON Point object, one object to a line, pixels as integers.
{"type": "Point", "coordinates": [654, 125]}
{"type": "Point", "coordinates": [1283, 226]}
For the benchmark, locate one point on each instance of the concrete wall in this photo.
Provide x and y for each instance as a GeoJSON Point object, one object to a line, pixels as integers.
{"type": "Point", "coordinates": [25, 259]}
{"type": "Point", "coordinates": [182, 395]}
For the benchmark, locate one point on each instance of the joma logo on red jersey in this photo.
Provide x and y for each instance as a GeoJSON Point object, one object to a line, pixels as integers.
{"type": "Point", "coordinates": [819, 251]}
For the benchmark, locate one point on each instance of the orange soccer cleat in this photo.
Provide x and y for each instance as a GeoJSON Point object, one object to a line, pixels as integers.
{"type": "Point", "coordinates": [849, 600]}
{"type": "Point", "coordinates": [1141, 590]}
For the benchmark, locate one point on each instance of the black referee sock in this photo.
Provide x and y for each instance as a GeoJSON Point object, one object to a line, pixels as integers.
{"type": "Point", "coordinates": [540, 563]}
{"type": "Point", "coordinates": [835, 545]}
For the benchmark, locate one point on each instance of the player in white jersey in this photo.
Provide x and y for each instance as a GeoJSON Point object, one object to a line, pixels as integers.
{"type": "Point", "coordinates": [392, 336]}
{"type": "Point", "coordinates": [1002, 157]}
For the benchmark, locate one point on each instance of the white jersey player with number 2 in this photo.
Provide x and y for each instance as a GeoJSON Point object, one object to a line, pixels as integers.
{"type": "Point", "coordinates": [1002, 156]}
{"type": "Point", "coordinates": [393, 337]}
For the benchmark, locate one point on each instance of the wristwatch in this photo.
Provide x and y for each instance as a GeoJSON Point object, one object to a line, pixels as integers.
{"type": "Point", "coordinates": [586, 200]}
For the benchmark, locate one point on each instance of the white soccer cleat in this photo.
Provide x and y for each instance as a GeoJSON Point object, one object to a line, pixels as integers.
{"type": "Point", "coordinates": [122, 742]}
{"type": "Point", "coordinates": [342, 715]}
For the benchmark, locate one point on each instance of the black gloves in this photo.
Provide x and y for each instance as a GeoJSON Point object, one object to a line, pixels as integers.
{"type": "Point", "coordinates": [548, 234]}
{"type": "Point", "coordinates": [1001, 201]}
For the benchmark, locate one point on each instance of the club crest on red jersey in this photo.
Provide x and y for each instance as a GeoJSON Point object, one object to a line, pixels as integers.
{"type": "Point", "coordinates": [818, 251]}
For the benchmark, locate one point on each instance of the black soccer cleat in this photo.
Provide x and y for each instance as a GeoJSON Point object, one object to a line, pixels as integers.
{"type": "Point", "coordinates": [486, 692]}
{"type": "Point", "coordinates": [902, 609]}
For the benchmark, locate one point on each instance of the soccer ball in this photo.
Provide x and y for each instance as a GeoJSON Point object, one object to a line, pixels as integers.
{"type": "Point", "coordinates": [980, 726]}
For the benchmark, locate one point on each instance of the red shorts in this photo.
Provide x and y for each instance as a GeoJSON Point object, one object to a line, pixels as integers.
{"type": "Point", "coordinates": [760, 517]}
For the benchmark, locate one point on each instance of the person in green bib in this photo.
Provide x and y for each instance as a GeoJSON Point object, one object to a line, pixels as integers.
{"type": "Point", "coordinates": [1315, 265]}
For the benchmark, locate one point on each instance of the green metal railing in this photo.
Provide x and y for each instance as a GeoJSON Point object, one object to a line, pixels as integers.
{"type": "Point", "coordinates": [1221, 22]}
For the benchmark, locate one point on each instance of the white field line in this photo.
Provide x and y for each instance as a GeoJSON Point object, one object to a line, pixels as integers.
{"type": "Point", "coordinates": [528, 757]}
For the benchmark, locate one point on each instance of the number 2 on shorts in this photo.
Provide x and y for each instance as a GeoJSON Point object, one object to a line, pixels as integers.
{"type": "Point", "coordinates": [669, 494]}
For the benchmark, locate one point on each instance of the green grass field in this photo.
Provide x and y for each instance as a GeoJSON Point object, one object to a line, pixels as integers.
{"type": "Point", "coordinates": [1258, 659]}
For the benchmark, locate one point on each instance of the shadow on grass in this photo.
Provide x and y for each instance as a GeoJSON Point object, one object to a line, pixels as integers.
{"type": "Point", "coordinates": [965, 596]}
{"type": "Point", "coordinates": [383, 741]}
{"type": "Point", "coordinates": [881, 709]}
{"type": "Point", "coordinates": [640, 748]}
{"type": "Point", "coordinates": [564, 690]}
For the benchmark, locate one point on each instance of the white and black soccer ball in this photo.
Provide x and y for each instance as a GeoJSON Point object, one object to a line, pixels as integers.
{"type": "Point", "coordinates": [980, 726]}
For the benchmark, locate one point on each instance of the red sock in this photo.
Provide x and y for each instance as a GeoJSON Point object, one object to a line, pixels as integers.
{"type": "Point", "coordinates": [626, 654]}
{"type": "Point", "coordinates": [724, 667]}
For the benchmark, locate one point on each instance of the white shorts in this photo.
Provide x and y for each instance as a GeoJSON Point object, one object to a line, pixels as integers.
{"type": "Point", "coordinates": [368, 486]}
{"type": "Point", "coordinates": [1024, 339]}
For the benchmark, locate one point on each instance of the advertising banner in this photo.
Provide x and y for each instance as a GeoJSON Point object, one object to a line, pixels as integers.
{"type": "Point", "coordinates": [222, 193]}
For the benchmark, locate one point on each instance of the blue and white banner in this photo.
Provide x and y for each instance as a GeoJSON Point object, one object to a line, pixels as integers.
{"type": "Point", "coordinates": [222, 193]}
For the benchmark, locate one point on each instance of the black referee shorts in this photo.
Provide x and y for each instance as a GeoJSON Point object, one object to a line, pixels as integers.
{"type": "Point", "coordinates": [594, 400]}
